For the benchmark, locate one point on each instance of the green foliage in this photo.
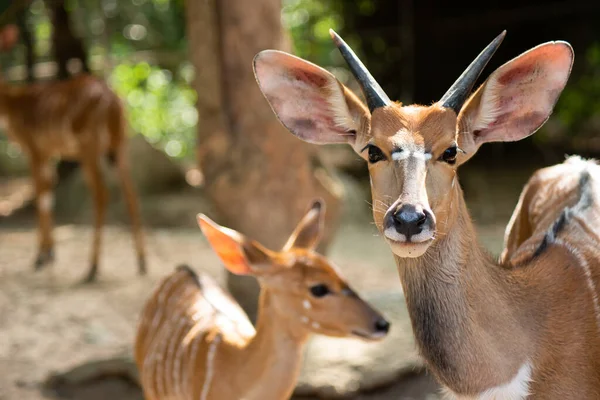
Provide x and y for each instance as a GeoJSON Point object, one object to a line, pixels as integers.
{"type": "Point", "coordinates": [308, 22]}
{"type": "Point", "coordinates": [40, 27]}
{"type": "Point", "coordinates": [159, 106]}
{"type": "Point", "coordinates": [580, 101]}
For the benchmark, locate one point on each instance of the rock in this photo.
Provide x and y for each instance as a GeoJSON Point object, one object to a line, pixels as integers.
{"type": "Point", "coordinates": [339, 368]}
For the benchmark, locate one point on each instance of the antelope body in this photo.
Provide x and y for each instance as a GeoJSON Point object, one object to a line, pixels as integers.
{"type": "Point", "coordinates": [195, 342]}
{"type": "Point", "coordinates": [526, 326]}
{"type": "Point", "coordinates": [79, 119]}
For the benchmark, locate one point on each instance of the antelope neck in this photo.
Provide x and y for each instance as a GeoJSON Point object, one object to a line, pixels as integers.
{"type": "Point", "coordinates": [466, 311]}
{"type": "Point", "coordinates": [274, 354]}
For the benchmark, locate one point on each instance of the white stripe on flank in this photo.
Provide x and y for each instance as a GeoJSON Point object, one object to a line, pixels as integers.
{"type": "Point", "coordinates": [171, 357]}
{"type": "Point", "coordinates": [588, 277]}
{"type": "Point", "coordinates": [188, 381]}
{"type": "Point", "coordinates": [158, 313]}
{"type": "Point", "coordinates": [154, 331]}
{"type": "Point", "coordinates": [210, 367]}
{"type": "Point", "coordinates": [155, 340]}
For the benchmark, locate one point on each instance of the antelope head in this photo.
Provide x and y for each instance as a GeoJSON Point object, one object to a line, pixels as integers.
{"type": "Point", "coordinates": [304, 287]}
{"type": "Point", "coordinates": [413, 151]}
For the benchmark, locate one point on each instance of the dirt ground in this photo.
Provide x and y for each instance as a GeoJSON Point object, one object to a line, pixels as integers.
{"type": "Point", "coordinates": [49, 321]}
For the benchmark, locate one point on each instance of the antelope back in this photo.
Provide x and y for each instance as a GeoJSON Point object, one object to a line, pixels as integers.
{"type": "Point", "coordinates": [183, 318]}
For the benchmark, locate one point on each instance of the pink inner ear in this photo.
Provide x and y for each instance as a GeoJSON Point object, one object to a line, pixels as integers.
{"type": "Point", "coordinates": [227, 248]}
{"type": "Point", "coordinates": [516, 74]}
{"type": "Point", "coordinates": [520, 96]}
{"type": "Point", "coordinates": [308, 77]}
{"type": "Point", "coordinates": [299, 93]}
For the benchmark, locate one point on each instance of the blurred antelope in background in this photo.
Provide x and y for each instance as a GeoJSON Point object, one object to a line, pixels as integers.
{"type": "Point", "coordinates": [195, 342]}
{"type": "Point", "coordinates": [78, 119]}
{"type": "Point", "coordinates": [528, 324]}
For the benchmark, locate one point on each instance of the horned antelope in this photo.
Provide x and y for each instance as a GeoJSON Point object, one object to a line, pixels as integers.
{"type": "Point", "coordinates": [195, 342]}
{"type": "Point", "coordinates": [78, 119]}
{"type": "Point", "coordinates": [528, 324]}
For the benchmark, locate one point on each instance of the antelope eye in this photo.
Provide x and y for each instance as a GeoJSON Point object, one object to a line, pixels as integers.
{"type": "Point", "coordinates": [449, 155]}
{"type": "Point", "coordinates": [319, 290]}
{"type": "Point", "coordinates": [375, 154]}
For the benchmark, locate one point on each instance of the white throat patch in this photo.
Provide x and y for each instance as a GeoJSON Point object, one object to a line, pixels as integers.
{"type": "Point", "coordinates": [516, 389]}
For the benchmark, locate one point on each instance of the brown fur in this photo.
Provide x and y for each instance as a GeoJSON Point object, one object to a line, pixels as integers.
{"type": "Point", "coordinates": [195, 342]}
{"type": "Point", "coordinates": [77, 119]}
{"type": "Point", "coordinates": [478, 322]}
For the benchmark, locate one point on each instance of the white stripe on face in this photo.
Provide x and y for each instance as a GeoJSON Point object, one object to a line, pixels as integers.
{"type": "Point", "coordinates": [405, 147]}
{"type": "Point", "coordinates": [399, 155]}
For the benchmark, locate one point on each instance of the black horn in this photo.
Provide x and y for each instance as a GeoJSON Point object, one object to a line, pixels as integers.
{"type": "Point", "coordinates": [456, 96]}
{"type": "Point", "coordinates": [374, 94]}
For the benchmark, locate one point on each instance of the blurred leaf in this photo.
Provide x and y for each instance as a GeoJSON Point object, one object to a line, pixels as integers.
{"type": "Point", "coordinates": [579, 103]}
{"type": "Point", "coordinates": [159, 106]}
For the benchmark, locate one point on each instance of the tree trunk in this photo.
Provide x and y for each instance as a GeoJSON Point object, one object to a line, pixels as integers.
{"type": "Point", "coordinates": [25, 35]}
{"type": "Point", "coordinates": [259, 177]}
{"type": "Point", "coordinates": [65, 45]}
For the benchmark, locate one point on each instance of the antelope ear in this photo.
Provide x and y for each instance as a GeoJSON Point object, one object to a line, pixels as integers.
{"type": "Point", "coordinates": [517, 98]}
{"type": "Point", "coordinates": [240, 255]}
{"type": "Point", "coordinates": [308, 100]}
{"type": "Point", "coordinates": [309, 230]}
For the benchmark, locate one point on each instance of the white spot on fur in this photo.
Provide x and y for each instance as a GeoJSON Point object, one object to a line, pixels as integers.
{"type": "Point", "coordinates": [306, 304]}
{"type": "Point", "coordinates": [306, 261]}
{"type": "Point", "coordinates": [210, 367]}
{"type": "Point", "coordinates": [410, 110]}
{"type": "Point", "coordinates": [304, 319]}
{"type": "Point", "coordinates": [316, 325]}
{"type": "Point", "coordinates": [516, 389]}
{"type": "Point", "coordinates": [46, 201]}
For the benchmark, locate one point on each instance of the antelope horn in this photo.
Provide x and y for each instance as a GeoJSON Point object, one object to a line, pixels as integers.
{"type": "Point", "coordinates": [374, 94]}
{"type": "Point", "coordinates": [456, 96]}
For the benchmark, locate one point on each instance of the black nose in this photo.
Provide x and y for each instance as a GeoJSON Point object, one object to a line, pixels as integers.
{"type": "Point", "coordinates": [381, 325]}
{"type": "Point", "coordinates": [408, 220]}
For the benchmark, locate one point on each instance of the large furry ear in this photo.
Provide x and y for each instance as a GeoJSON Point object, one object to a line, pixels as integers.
{"type": "Point", "coordinates": [308, 100]}
{"type": "Point", "coordinates": [517, 98]}
{"type": "Point", "coordinates": [240, 255]}
{"type": "Point", "coordinates": [309, 230]}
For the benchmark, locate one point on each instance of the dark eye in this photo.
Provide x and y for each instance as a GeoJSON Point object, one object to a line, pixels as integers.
{"type": "Point", "coordinates": [449, 155]}
{"type": "Point", "coordinates": [319, 290]}
{"type": "Point", "coordinates": [375, 154]}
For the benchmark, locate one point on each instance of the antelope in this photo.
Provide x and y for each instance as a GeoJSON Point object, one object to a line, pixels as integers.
{"type": "Point", "coordinates": [524, 325]}
{"type": "Point", "coordinates": [195, 342]}
{"type": "Point", "coordinates": [79, 119]}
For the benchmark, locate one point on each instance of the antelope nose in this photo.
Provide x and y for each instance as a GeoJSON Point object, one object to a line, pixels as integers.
{"type": "Point", "coordinates": [408, 220]}
{"type": "Point", "coordinates": [382, 325]}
